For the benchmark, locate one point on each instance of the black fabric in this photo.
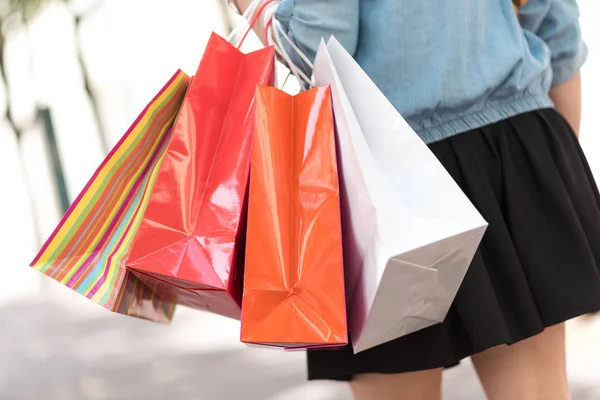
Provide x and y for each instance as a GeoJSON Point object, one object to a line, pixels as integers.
{"type": "Point", "coordinates": [538, 263]}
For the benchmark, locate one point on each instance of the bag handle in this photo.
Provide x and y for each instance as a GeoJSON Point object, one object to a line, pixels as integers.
{"type": "Point", "coordinates": [274, 31]}
{"type": "Point", "coordinates": [250, 16]}
{"type": "Point", "coordinates": [256, 14]}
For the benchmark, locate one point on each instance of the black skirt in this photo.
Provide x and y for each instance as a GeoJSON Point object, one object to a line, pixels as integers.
{"type": "Point", "coordinates": [538, 263]}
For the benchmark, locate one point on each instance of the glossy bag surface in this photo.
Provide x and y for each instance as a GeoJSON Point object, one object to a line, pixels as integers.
{"type": "Point", "coordinates": [190, 242]}
{"type": "Point", "coordinates": [294, 283]}
{"type": "Point", "coordinates": [88, 249]}
{"type": "Point", "coordinates": [410, 233]}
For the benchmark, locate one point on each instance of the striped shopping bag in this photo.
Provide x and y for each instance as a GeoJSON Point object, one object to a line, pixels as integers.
{"type": "Point", "coordinates": [88, 249]}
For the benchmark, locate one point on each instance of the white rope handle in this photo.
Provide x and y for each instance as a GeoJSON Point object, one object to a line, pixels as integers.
{"type": "Point", "coordinates": [291, 43]}
{"type": "Point", "coordinates": [240, 28]}
{"type": "Point", "coordinates": [276, 40]}
{"type": "Point", "coordinates": [273, 38]}
{"type": "Point", "coordinates": [274, 35]}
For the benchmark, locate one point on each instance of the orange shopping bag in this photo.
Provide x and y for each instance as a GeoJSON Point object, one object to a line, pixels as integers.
{"type": "Point", "coordinates": [294, 282]}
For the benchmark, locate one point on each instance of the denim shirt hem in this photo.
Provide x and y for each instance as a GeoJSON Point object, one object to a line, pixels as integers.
{"type": "Point", "coordinates": [431, 132]}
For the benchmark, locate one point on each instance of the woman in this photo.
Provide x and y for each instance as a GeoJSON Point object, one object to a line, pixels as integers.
{"type": "Point", "coordinates": [497, 98]}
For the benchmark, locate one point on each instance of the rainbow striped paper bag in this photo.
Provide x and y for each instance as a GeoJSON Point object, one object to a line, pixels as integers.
{"type": "Point", "coordinates": [87, 250]}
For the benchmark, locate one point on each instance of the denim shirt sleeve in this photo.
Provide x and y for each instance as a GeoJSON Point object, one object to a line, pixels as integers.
{"type": "Point", "coordinates": [307, 21]}
{"type": "Point", "coordinates": [556, 22]}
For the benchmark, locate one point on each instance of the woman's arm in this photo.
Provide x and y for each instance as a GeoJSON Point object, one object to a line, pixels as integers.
{"type": "Point", "coordinates": [567, 100]}
{"type": "Point", "coordinates": [556, 22]}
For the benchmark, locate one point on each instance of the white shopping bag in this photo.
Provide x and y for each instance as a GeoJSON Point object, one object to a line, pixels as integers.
{"type": "Point", "coordinates": [410, 233]}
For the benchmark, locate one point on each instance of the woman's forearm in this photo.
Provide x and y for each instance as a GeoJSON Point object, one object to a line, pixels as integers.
{"type": "Point", "coordinates": [567, 100]}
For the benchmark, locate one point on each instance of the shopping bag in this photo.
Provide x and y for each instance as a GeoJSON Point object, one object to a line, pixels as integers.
{"type": "Point", "coordinates": [189, 245]}
{"type": "Point", "coordinates": [409, 232]}
{"type": "Point", "coordinates": [88, 249]}
{"type": "Point", "coordinates": [294, 279]}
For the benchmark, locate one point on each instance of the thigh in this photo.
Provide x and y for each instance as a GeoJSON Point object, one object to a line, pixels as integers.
{"type": "Point", "coordinates": [422, 385]}
{"type": "Point", "coordinates": [533, 369]}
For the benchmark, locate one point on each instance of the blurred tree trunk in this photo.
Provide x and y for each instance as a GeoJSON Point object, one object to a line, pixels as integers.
{"type": "Point", "coordinates": [18, 134]}
{"type": "Point", "coordinates": [8, 108]}
{"type": "Point", "coordinates": [87, 82]}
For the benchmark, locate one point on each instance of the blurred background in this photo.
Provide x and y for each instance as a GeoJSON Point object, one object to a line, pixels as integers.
{"type": "Point", "coordinates": [74, 75]}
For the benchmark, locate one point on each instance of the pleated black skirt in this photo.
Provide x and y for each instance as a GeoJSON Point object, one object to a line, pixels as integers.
{"type": "Point", "coordinates": [538, 263]}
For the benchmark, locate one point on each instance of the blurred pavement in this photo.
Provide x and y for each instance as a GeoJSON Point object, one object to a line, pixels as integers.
{"type": "Point", "coordinates": [80, 351]}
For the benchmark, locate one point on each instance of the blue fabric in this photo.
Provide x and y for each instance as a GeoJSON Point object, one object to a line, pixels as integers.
{"type": "Point", "coordinates": [448, 66]}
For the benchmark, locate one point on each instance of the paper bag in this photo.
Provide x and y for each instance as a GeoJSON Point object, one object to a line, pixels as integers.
{"type": "Point", "coordinates": [409, 232]}
{"type": "Point", "coordinates": [190, 242]}
{"type": "Point", "coordinates": [294, 280]}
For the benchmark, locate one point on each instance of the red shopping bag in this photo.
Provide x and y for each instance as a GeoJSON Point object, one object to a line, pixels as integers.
{"type": "Point", "coordinates": [294, 278]}
{"type": "Point", "coordinates": [189, 245]}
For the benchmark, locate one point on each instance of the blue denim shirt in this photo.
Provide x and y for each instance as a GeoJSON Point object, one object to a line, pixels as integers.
{"type": "Point", "coordinates": [448, 66]}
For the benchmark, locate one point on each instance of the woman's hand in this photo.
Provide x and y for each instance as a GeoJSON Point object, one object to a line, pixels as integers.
{"type": "Point", "coordinates": [567, 100]}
